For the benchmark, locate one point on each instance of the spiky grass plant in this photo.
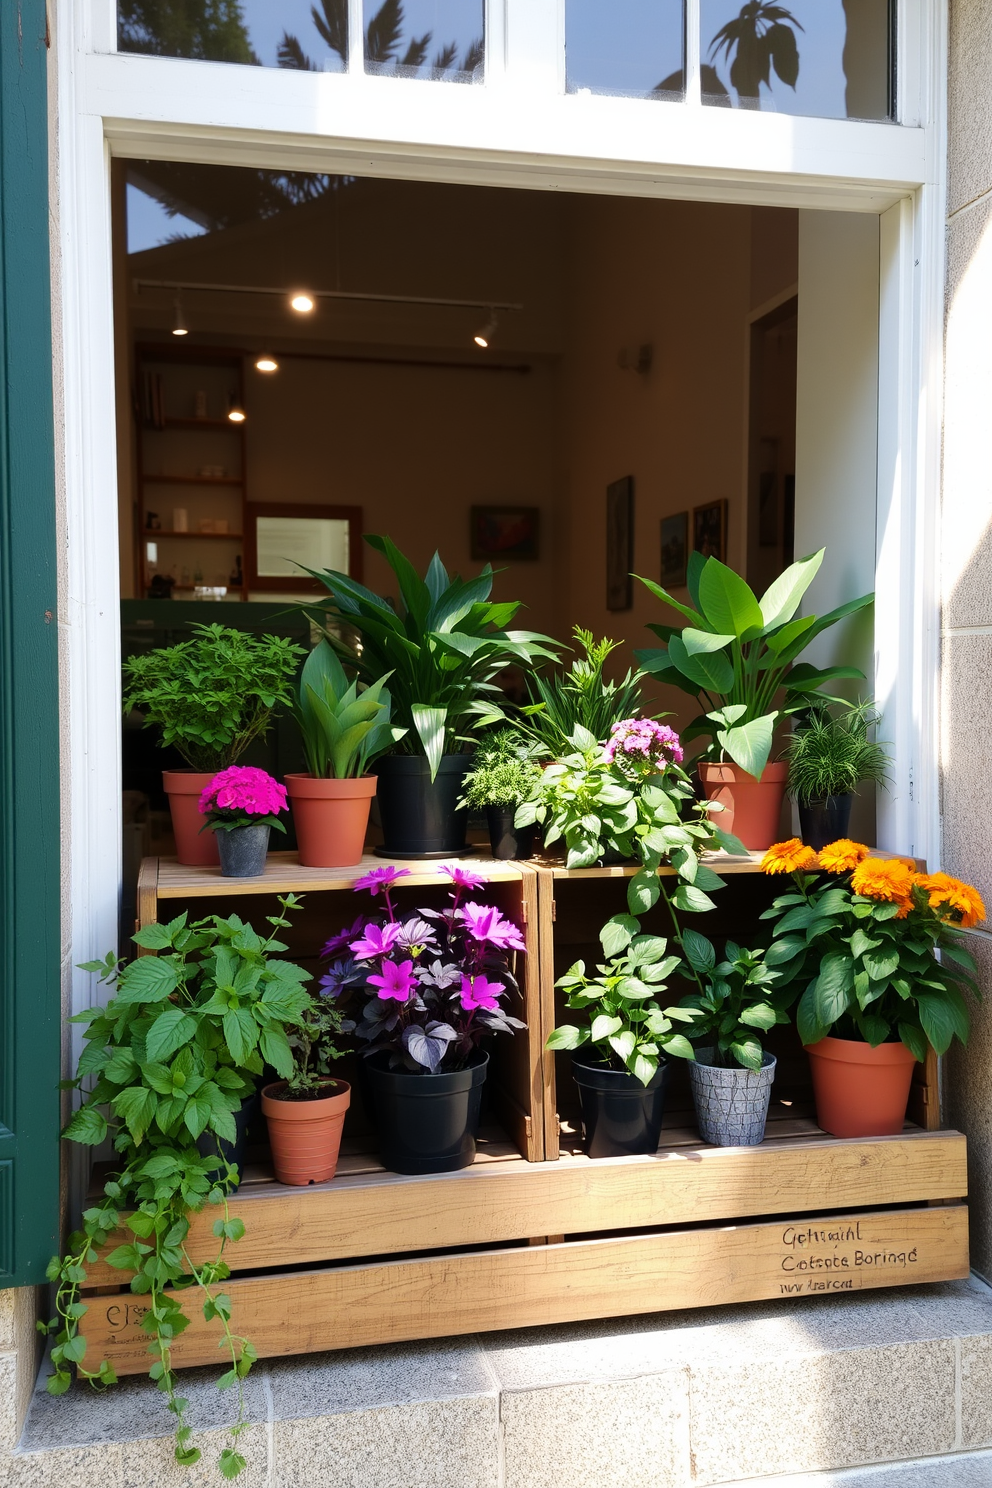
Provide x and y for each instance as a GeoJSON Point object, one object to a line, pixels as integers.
{"type": "Point", "coordinates": [830, 756]}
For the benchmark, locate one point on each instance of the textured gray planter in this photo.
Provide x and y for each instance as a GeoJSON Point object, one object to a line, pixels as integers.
{"type": "Point", "coordinates": [731, 1102]}
{"type": "Point", "coordinates": [242, 851]}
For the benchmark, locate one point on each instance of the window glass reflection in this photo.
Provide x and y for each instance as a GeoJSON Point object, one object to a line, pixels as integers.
{"type": "Point", "coordinates": [262, 33]}
{"type": "Point", "coordinates": [635, 48]}
{"type": "Point", "coordinates": [443, 40]}
{"type": "Point", "coordinates": [825, 58]}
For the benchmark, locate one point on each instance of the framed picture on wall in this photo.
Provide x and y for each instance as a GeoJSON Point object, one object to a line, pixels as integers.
{"type": "Point", "coordinates": [709, 530]}
{"type": "Point", "coordinates": [285, 538]}
{"type": "Point", "coordinates": [619, 543]}
{"type": "Point", "coordinates": [674, 549]}
{"type": "Point", "coordinates": [508, 532]}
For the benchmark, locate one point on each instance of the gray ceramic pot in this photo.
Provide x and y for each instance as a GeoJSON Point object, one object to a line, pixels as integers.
{"type": "Point", "coordinates": [242, 851]}
{"type": "Point", "coordinates": [731, 1102]}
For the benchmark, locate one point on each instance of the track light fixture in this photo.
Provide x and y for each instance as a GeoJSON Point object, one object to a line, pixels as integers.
{"type": "Point", "coordinates": [266, 363]}
{"type": "Point", "coordinates": [179, 326]}
{"type": "Point", "coordinates": [484, 337]}
{"type": "Point", "coordinates": [302, 303]}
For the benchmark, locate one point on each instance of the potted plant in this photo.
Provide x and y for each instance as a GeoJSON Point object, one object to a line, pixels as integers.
{"type": "Point", "coordinates": [861, 937]}
{"type": "Point", "coordinates": [563, 701]}
{"type": "Point", "coordinates": [736, 1001]}
{"type": "Point", "coordinates": [344, 727]}
{"type": "Point", "coordinates": [241, 805]}
{"type": "Point", "coordinates": [828, 758]}
{"type": "Point", "coordinates": [504, 773]}
{"type": "Point", "coordinates": [443, 648]}
{"type": "Point", "coordinates": [211, 696]}
{"type": "Point", "coordinates": [626, 1039]}
{"type": "Point", "coordinates": [168, 1063]}
{"type": "Point", "coordinates": [435, 984]}
{"type": "Point", "coordinates": [737, 655]}
{"type": "Point", "coordinates": [305, 1113]}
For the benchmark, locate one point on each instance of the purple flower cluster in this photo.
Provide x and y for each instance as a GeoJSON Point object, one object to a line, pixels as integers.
{"type": "Point", "coordinates": [640, 746]}
{"type": "Point", "coordinates": [244, 789]}
{"type": "Point", "coordinates": [432, 973]}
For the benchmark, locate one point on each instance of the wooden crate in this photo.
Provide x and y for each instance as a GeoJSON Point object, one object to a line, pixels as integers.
{"type": "Point", "coordinates": [535, 1232]}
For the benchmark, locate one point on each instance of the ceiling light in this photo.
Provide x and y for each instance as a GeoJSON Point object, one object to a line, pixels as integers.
{"type": "Point", "coordinates": [266, 363]}
{"type": "Point", "coordinates": [302, 303]}
{"type": "Point", "coordinates": [179, 326]}
{"type": "Point", "coordinates": [482, 338]}
{"type": "Point", "coordinates": [235, 412]}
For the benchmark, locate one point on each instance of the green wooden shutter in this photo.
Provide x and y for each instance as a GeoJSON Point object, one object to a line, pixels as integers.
{"type": "Point", "coordinates": [29, 719]}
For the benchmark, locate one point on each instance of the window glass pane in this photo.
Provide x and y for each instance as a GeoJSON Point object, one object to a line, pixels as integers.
{"type": "Point", "coordinates": [631, 47]}
{"type": "Point", "coordinates": [262, 33]}
{"type": "Point", "coordinates": [828, 58]}
{"type": "Point", "coordinates": [439, 39]}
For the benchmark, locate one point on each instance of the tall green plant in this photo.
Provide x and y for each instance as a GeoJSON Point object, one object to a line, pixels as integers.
{"type": "Point", "coordinates": [442, 648]}
{"type": "Point", "coordinates": [579, 698]}
{"type": "Point", "coordinates": [343, 729]}
{"type": "Point", "coordinates": [737, 655]}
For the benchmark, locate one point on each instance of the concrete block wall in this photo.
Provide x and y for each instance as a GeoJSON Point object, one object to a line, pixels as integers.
{"type": "Point", "coordinates": [966, 520]}
{"type": "Point", "coordinates": [19, 1356]}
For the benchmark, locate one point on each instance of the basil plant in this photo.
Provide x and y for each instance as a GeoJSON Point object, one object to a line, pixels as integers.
{"type": "Point", "coordinates": [737, 655]}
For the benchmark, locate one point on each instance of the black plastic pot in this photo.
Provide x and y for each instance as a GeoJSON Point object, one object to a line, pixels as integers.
{"type": "Point", "coordinates": [419, 816]}
{"type": "Point", "coordinates": [506, 840]}
{"type": "Point", "coordinates": [425, 1123]}
{"type": "Point", "coordinates": [234, 1152]}
{"type": "Point", "coordinates": [242, 851]}
{"type": "Point", "coordinates": [825, 821]}
{"type": "Point", "coordinates": [620, 1116]}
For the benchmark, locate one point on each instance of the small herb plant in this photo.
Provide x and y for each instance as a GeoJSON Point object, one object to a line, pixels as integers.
{"type": "Point", "coordinates": [171, 1058]}
{"type": "Point", "coordinates": [623, 1019]}
{"type": "Point", "coordinates": [830, 756]}
{"type": "Point", "coordinates": [435, 981]}
{"type": "Point", "coordinates": [314, 1049]}
{"type": "Point", "coordinates": [242, 796]}
{"type": "Point", "coordinates": [736, 1001]}
{"type": "Point", "coordinates": [579, 698]}
{"type": "Point", "coordinates": [862, 935]}
{"type": "Point", "coordinates": [505, 772]}
{"type": "Point", "coordinates": [344, 729]}
{"type": "Point", "coordinates": [214, 694]}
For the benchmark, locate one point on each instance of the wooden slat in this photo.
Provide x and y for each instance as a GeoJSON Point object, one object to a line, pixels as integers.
{"type": "Point", "coordinates": [720, 862]}
{"type": "Point", "coordinates": [387, 1213]}
{"type": "Point", "coordinates": [547, 1103]}
{"type": "Point", "coordinates": [284, 875]}
{"type": "Point", "coordinates": [346, 1307]}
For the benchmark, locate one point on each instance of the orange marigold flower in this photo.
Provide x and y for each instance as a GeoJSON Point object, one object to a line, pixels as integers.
{"type": "Point", "coordinates": [842, 856]}
{"type": "Point", "coordinates": [788, 857]}
{"type": "Point", "coordinates": [887, 879]}
{"type": "Point", "coordinates": [942, 890]}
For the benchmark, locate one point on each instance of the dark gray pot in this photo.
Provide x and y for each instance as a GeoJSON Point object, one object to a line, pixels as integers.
{"type": "Point", "coordinates": [242, 851]}
{"type": "Point", "coordinates": [731, 1102]}
{"type": "Point", "coordinates": [825, 821]}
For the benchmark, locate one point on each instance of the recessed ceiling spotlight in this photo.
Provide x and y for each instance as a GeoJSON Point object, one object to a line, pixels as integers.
{"type": "Point", "coordinates": [179, 326]}
{"type": "Point", "coordinates": [484, 337]}
{"type": "Point", "coordinates": [302, 303]}
{"type": "Point", "coordinates": [266, 363]}
{"type": "Point", "coordinates": [235, 412]}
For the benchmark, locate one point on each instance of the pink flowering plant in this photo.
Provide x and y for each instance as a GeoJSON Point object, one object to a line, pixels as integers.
{"type": "Point", "coordinates": [435, 982]}
{"type": "Point", "coordinates": [632, 799]}
{"type": "Point", "coordinates": [242, 796]}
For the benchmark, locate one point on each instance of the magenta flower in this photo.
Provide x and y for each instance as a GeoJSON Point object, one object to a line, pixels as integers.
{"type": "Point", "coordinates": [380, 878]}
{"type": "Point", "coordinates": [397, 980]}
{"type": "Point", "coordinates": [375, 941]}
{"type": "Point", "coordinates": [484, 923]}
{"type": "Point", "coordinates": [479, 992]}
{"type": "Point", "coordinates": [643, 744]}
{"type": "Point", "coordinates": [243, 788]}
{"type": "Point", "coordinates": [464, 878]}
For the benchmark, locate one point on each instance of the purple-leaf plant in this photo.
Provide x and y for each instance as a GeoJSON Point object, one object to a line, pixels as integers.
{"type": "Point", "coordinates": [436, 981]}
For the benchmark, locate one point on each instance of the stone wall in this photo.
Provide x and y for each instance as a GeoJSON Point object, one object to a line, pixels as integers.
{"type": "Point", "coordinates": [966, 743]}
{"type": "Point", "coordinates": [19, 1353]}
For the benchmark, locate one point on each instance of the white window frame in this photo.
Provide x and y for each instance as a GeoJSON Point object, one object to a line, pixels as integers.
{"type": "Point", "coordinates": [518, 129]}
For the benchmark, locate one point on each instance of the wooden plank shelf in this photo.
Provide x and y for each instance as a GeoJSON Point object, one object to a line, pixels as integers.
{"type": "Point", "coordinates": [535, 1232]}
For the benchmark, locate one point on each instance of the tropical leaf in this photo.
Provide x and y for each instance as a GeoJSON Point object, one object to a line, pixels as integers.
{"type": "Point", "coordinates": [728, 603]}
{"type": "Point", "coordinates": [781, 599]}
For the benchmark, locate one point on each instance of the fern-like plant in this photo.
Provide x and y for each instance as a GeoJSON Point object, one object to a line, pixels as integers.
{"type": "Point", "coordinates": [579, 698]}
{"type": "Point", "coordinates": [830, 756]}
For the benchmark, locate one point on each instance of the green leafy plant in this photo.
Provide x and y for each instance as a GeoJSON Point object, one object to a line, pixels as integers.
{"type": "Point", "coordinates": [343, 728]}
{"type": "Point", "coordinates": [623, 1019]}
{"type": "Point", "coordinates": [171, 1058]}
{"type": "Point", "coordinates": [314, 1049]}
{"type": "Point", "coordinates": [214, 694]}
{"type": "Point", "coordinates": [737, 655]}
{"type": "Point", "coordinates": [830, 756]}
{"type": "Point", "coordinates": [504, 773]}
{"type": "Point", "coordinates": [561, 702]}
{"type": "Point", "coordinates": [736, 1000]}
{"type": "Point", "coordinates": [442, 650]}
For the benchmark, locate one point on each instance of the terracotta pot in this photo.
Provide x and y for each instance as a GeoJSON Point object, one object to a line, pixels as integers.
{"type": "Point", "coordinates": [183, 787]}
{"type": "Point", "coordinates": [331, 818]}
{"type": "Point", "coordinates": [305, 1135]}
{"type": "Point", "coordinates": [752, 807]}
{"type": "Point", "coordinates": [860, 1091]}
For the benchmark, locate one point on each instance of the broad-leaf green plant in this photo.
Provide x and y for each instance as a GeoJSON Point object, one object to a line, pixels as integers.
{"type": "Point", "coordinates": [737, 655]}
{"type": "Point", "coordinates": [442, 647]}
{"type": "Point", "coordinates": [736, 1000]}
{"type": "Point", "coordinates": [344, 726]}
